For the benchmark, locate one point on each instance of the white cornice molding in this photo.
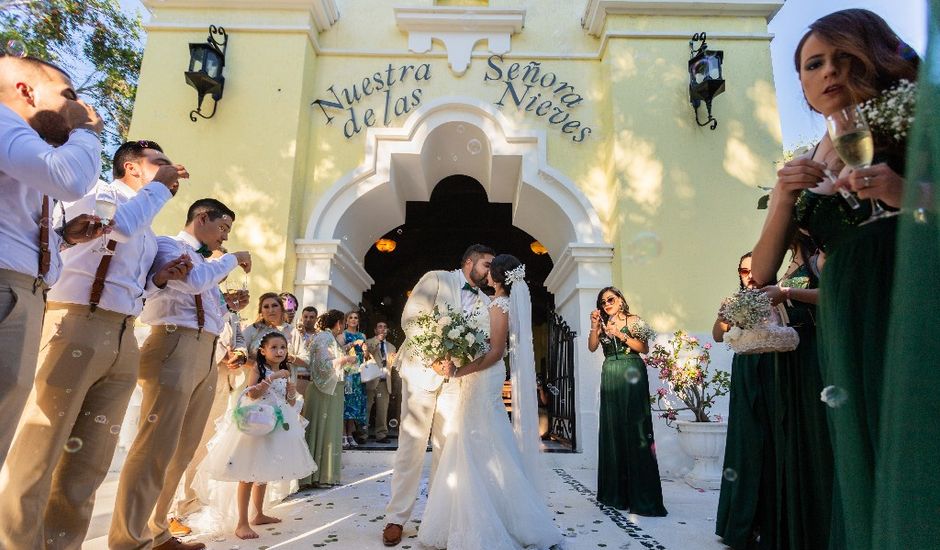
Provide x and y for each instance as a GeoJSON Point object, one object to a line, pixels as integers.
{"type": "Point", "coordinates": [459, 29]}
{"type": "Point", "coordinates": [596, 11]}
{"type": "Point", "coordinates": [324, 12]}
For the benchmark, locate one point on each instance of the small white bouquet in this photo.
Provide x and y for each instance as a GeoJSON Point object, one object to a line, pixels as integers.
{"type": "Point", "coordinates": [891, 114]}
{"type": "Point", "coordinates": [755, 327]}
{"type": "Point", "coordinates": [448, 334]}
{"type": "Point", "coordinates": [641, 331]}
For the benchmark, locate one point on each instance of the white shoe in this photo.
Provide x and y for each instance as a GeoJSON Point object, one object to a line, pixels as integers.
{"type": "Point", "coordinates": [353, 442]}
{"type": "Point", "coordinates": [345, 441]}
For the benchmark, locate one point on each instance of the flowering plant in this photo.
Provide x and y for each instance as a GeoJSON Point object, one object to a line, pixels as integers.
{"type": "Point", "coordinates": [641, 331]}
{"type": "Point", "coordinates": [892, 113]}
{"type": "Point", "coordinates": [448, 334]}
{"type": "Point", "coordinates": [683, 365]}
{"type": "Point", "coordinates": [748, 308]}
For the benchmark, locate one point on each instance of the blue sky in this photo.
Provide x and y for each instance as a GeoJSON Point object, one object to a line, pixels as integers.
{"type": "Point", "coordinates": [907, 17]}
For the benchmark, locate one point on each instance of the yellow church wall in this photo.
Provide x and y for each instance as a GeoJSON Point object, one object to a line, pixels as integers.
{"type": "Point", "coordinates": [246, 156]}
{"type": "Point", "coordinates": [646, 167]}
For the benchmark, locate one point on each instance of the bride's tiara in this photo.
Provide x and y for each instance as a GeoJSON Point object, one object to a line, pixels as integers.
{"type": "Point", "coordinates": [516, 275]}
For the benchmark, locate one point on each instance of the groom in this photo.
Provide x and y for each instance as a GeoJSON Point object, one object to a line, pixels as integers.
{"type": "Point", "coordinates": [429, 398]}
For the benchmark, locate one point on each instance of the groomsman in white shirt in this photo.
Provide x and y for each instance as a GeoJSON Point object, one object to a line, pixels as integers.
{"type": "Point", "coordinates": [38, 107]}
{"type": "Point", "coordinates": [88, 361]}
{"type": "Point", "coordinates": [178, 376]}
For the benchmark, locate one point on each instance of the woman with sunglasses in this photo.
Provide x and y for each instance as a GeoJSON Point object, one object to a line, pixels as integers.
{"type": "Point", "coordinates": [627, 470]}
{"type": "Point", "coordinates": [747, 503]}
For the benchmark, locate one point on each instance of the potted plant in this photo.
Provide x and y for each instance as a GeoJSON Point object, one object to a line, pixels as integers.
{"type": "Point", "coordinates": [690, 385]}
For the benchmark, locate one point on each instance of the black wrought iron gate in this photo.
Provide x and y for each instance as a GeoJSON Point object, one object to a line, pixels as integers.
{"type": "Point", "coordinates": [559, 381]}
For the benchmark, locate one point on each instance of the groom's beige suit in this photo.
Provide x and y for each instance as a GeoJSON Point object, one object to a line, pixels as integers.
{"type": "Point", "coordinates": [428, 399]}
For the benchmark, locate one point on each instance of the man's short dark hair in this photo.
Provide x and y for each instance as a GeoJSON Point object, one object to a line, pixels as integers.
{"type": "Point", "coordinates": [475, 251]}
{"type": "Point", "coordinates": [37, 63]}
{"type": "Point", "coordinates": [308, 308]}
{"type": "Point", "coordinates": [213, 207]}
{"type": "Point", "coordinates": [131, 151]}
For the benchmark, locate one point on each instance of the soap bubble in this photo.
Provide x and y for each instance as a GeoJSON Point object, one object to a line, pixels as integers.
{"type": "Point", "coordinates": [632, 374]}
{"type": "Point", "coordinates": [152, 418]}
{"type": "Point", "coordinates": [61, 413]}
{"type": "Point", "coordinates": [399, 231]}
{"type": "Point", "coordinates": [474, 146]}
{"type": "Point", "coordinates": [76, 353]}
{"type": "Point", "coordinates": [731, 475]}
{"type": "Point", "coordinates": [73, 445]}
{"type": "Point", "coordinates": [834, 396]}
{"type": "Point", "coordinates": [101, 419]}
{"type": "Point", "coordinates": [552, 389]}
{"type": "Point", "coordinates": [460, 128]}
{"type": "Point", "coordinates": [16, 48]}
{"type": "Point", "coordinates": [115, 429]}
{"type": "Point", "coordinates": [170, 328]}
{"type": "Point", "coordinates": [393, 423]}
{"type": "Point", "coordinates": [454, 158]}
{"type": "Point", "coordinates": [643, 247]}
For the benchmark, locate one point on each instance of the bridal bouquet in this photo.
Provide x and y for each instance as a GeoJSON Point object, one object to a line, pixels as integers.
{"type": "Point", "coordinates": [641, 331]}
{"type": "Point", "coordinates": [450, 333]}
{"type": "Point", "coordinates": [755, 327]}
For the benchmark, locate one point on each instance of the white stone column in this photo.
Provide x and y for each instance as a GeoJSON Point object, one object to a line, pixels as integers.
{"type": "Point", "coordinates": [329, 276]}
{"type": "Point", "coordinates": [579, 274]}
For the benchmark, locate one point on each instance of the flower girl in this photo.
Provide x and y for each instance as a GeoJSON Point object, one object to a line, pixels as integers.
{"type": "Point", "coordinates": [260, 440]}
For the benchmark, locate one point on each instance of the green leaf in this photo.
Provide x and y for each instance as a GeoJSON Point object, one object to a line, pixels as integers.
{"type": "Point", "coordinates": [763, 202]}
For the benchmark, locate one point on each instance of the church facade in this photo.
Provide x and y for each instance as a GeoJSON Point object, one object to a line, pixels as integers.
{"type": "Point", "coordinates": [338, 116]}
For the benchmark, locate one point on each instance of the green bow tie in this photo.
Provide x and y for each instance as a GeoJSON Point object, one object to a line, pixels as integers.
{"type": "Point", "coordinates": [466, 286]}
{"type": "Point", "coordinates": [203, 251]}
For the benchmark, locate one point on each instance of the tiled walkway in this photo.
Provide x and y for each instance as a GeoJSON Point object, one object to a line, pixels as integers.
{"type": "Point", "coordinates": [351, 516]}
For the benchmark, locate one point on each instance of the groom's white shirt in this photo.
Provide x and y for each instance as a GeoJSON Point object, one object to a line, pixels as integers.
{"type": "Point", "coordinates": [442, 289]}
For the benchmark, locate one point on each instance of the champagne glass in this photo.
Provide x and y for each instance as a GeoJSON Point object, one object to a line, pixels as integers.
{"type": "Point", "coordinates": [851, 138]}
{"type": "Point", "coordinates": [105, 208]}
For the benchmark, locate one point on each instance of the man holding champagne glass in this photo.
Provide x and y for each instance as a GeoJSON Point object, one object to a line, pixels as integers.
{"type": "Point", "coordinates": [89, 356]}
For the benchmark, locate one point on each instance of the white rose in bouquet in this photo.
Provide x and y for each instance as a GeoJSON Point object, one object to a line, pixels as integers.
{"type": "Point", "coordinates": [454, 333]}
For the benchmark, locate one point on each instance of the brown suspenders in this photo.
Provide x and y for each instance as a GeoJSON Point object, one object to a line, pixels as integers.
{"type": "Point", "coordinates": [97, 287]}
{"type": "Point", "coordinates": [45, 255]}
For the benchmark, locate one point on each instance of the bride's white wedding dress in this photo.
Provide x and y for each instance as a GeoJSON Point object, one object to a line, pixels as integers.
{"type": "Point", "coordinates": [482, 495]}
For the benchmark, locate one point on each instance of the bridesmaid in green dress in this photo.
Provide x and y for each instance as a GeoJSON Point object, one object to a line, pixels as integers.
{"type": "Point", "coordinates": [323, 401]}
{"type": "Point", "coordinates": [627, 471]}
{"type": "Point", "coordinates": [747, 502]}
{"type": "Point", "coordinates": [846, 57]}
{"type": "Point", "coordinates": [804, 457]}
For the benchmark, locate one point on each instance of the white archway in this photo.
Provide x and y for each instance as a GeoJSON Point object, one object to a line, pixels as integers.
{"type": "Point", "coordinates": [460, 135]}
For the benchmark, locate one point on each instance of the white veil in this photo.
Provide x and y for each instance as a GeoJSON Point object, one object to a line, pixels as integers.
{"type": "Point", "coordinates": [525, 413]}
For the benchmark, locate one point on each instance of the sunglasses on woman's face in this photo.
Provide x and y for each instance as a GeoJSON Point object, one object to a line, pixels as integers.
{"type": "Point", "coordinates": [743, 271]}
{"type": "Point", "coordinates": [610, 301]}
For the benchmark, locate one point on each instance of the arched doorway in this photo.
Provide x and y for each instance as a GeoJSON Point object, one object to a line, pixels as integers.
{"type": "Point", "coordinates": [461, 136]}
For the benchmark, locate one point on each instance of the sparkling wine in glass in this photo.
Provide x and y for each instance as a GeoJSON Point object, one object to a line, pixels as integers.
{"type": "Point", "coordinates": [105, 208]}
{"type": "Point", "coordinates": [851, 138]}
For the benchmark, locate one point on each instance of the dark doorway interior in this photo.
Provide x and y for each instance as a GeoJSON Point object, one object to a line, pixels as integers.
{"type": "Point", "coordinates": [434, 236]}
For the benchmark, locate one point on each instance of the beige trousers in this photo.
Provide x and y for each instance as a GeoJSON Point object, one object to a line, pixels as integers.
{"type": "Point", "coordinates": [66, 438]}
{"type": "Point", "coordinates": [21, 312]}
{"type": "Point", "coordinates": [424, 414]}
{"type": "Point", "coordinates": [178, 378]}
{"type": "Point", "coordinates": [377, 394]}
{"type": "Point", "coordinates": [190, 502]}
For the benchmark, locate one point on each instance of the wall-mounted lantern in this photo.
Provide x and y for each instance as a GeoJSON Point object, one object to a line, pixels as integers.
{"type": "Point", "coordinates": [206, 61]}
{"type": "Point", "coordinates": [538, 248]}
{"type": "Point", "coordinates": [705, 81]}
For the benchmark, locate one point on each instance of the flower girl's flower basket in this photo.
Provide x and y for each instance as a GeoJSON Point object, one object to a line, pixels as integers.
{"type": "Point", "coordinates": [756, 326]}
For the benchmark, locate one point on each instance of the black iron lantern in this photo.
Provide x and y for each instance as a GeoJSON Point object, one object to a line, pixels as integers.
{"type": "Point", "coordinates": [206, 61]}
{"type": "Point", "coordinates": [705, 81]}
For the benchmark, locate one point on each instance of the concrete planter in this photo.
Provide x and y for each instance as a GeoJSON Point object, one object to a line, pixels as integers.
{"type": "Point", "coordinates": [705, 443]}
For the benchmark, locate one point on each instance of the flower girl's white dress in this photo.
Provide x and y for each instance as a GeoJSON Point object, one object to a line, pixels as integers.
{"type": "Point", "coordinates": [278, 458]}
{"type": "Point", "coordinates": [482, 496]}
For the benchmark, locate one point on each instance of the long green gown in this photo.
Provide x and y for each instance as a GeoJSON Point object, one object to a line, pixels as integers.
{"type": "Point", "coordinates": [747, 503]}
{"type": "Point", "coordinates": [804, 457]}
{"type": "Point", "coordinates": [323, 408]}
{"type": "Point", "coordinates": [907, 482]}
{"type": "Point", "coordinates": [852, 331]}
{"type": "Point", "coordinates": [627, 470]}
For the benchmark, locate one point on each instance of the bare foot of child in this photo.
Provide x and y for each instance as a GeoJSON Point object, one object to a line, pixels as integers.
{"type": "Point", "coordinates": [262, 519]}
{"type": "Point", "coordinates": [245, 532]}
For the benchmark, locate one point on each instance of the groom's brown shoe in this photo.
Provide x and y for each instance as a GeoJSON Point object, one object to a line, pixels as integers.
{"type": "Point", "coordinates": [391, 536]}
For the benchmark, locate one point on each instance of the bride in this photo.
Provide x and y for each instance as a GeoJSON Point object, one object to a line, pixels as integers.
{"type": "Point", "coordinates": [485, 493]}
